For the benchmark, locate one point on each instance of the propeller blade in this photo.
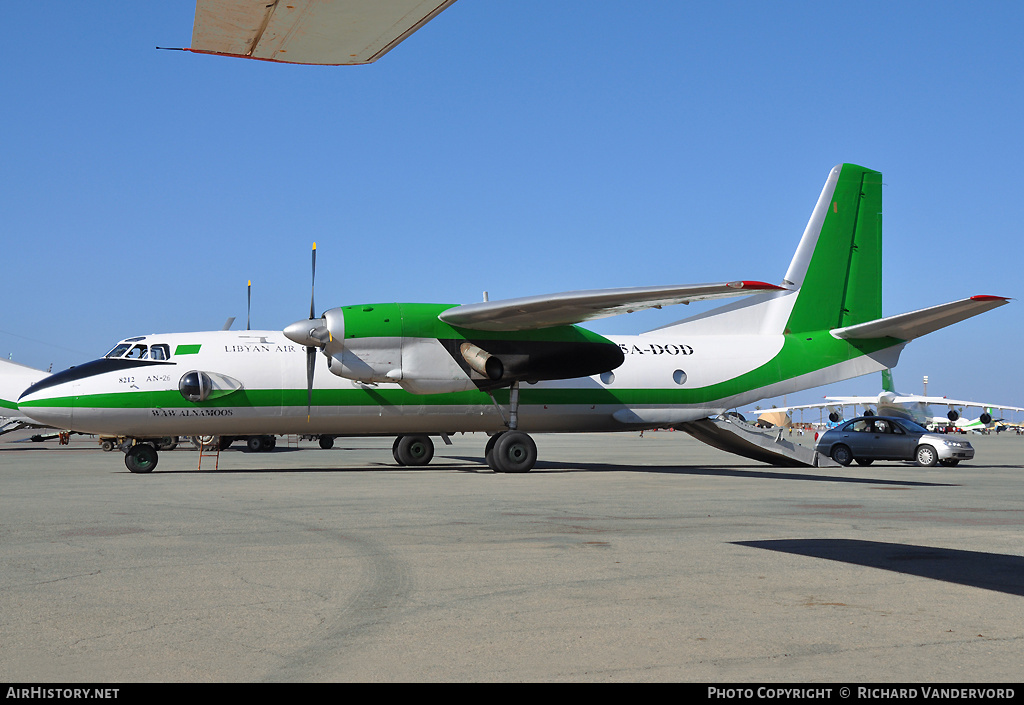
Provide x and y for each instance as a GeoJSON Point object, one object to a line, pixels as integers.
{"type": "Point", "coordinates": [312, 287]}
{"type": "Point", "coordinates": [310, 362]}
{"type": "Point", "coordinates": [311, 351]}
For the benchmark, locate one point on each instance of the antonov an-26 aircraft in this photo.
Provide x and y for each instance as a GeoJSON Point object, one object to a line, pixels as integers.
{"type": "Point", "coordinates": [512, 367]}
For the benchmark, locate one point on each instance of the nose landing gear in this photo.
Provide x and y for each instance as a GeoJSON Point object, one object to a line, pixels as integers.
{"type": "Point", "coordinates": [141, 458]}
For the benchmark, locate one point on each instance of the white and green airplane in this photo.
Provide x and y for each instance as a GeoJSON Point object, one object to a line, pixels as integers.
{"type": "Point", "coordinates": [514, 367]}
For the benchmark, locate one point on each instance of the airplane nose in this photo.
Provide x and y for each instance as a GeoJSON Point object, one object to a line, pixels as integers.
{"type": "Point", "coordinates": [48, 407]}
{"type": "Point", "coordinates": [51, 401]}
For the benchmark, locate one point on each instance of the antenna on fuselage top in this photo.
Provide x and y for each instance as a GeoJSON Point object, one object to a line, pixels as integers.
{"type": "Point", "coordinates": [248, 311]}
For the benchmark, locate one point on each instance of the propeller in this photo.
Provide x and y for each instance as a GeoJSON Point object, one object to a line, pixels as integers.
{"type": "Point", "coordinates": [312, 336]}
{"type": "Point", "coordinates": [310, 350]}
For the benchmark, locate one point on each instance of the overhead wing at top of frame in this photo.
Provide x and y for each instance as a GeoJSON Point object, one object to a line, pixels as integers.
{"type": "Point", "coordinates": [330, 32]}
{"type": "Point", "coordinates": [546, 311]}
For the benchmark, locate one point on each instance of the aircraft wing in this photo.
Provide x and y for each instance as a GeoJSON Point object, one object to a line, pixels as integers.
{"type": "Point", "coordinates": [908, 326]}
{"type": "Point", "coordinates": [900, 399]}
{"type": "Point", "coordinates": [546, 311]}
{"type": "Point", "coordinates": [944, 401]}
{"type": "Point", "coordinates": [828, 403]}
{"type": "Point", "coordinates": [331, 32]}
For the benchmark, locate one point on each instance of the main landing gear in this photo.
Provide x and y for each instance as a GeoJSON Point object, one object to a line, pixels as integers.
{"type": "Point", "coordinates": [413, 450]}
{"type": "Point", "coordinates": [506, 451]}
{"type": "Point", "coordinates": [511, 450]}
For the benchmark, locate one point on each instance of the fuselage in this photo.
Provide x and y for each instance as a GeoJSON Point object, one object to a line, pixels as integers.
{"type": "Point", "coordinates": [664, 379]}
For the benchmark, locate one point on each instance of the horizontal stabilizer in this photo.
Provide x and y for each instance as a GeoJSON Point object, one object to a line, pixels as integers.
{"type": "Point", "coordinates": [549, 310]}
{"type": "Point", "coordinates": [309, 31]}
{"type": "Point", "coordinates": [908, 326]}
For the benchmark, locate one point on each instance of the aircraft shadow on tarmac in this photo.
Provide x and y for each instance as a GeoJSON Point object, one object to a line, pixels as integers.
{"type": "Point", "coordinates": [989, 571]}
{"type": "Point", "coordinates": [741, 471]}
{"type": "Point", "coordinates": [475, 464]}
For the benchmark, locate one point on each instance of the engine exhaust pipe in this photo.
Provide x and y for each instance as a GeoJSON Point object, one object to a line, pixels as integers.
{"type": "Point", "coordinates": [482, 361]}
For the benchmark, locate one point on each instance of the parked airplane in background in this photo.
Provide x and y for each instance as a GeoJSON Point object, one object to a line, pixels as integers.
{"type": "Point", "coordinates": [916, 407]}
{"type": "Point", "coordinates": [985, 422]}
{"type": "Point", "coordinates": [507, 367]}
{"type": "Point", "coordinates": [15, 379]}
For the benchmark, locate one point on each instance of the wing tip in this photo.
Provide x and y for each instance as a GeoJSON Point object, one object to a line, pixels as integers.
{"type": "Point", "coordinates": [748, 284]}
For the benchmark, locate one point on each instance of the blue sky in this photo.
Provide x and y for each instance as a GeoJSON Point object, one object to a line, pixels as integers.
{"type": "Point", "coordinates": [515, 147]}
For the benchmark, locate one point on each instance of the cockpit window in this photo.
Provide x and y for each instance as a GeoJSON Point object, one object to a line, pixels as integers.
{"type": "Point", "coordinates": [160, 351]}
{"type": "Point", "coordinates": [119, 350]}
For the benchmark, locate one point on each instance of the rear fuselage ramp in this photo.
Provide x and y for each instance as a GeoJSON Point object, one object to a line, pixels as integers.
{"type": "Point", "coordinates": [733, 435]}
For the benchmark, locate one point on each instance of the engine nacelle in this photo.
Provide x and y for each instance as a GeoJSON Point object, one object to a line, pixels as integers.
{"type": "Point", "coordinates": [407, 344]}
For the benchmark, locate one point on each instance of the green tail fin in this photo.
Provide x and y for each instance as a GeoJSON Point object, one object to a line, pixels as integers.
{"type": "Point", "coordinates": [839, 271]}
{"type": "Point", "coordinates": [887, 384]}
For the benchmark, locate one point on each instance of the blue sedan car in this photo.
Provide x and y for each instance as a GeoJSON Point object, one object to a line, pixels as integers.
{"type": "Point", "coordinates": [869, 438]}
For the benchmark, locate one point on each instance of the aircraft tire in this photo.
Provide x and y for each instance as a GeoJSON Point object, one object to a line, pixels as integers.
{"type": "Point", "coordinates": [167, 443]}
{"type": "Point", "coordinates": [394, 450]}
{"type": "Point", "coordinates": [326, 442]}
{"type": "Point", "coordinates": [926, 456]}
{"type": "Point", "coordinates": [489, 451]}
{"type": "Point", "coordinates": [414, 450]}
{"type": "Point", "coordinates": [515, 451]}
{"type": "Point", "coordinates": [141, 458]}
{"type": "Point", "coordinates": [842, 454]}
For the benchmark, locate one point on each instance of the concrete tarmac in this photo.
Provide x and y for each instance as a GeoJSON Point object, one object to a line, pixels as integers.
{"type": "Point", "coordinates": [619, 558]}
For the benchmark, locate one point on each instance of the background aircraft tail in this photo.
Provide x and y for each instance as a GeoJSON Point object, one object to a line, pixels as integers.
{"type": "Point", "coordinates": [887, 383]}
